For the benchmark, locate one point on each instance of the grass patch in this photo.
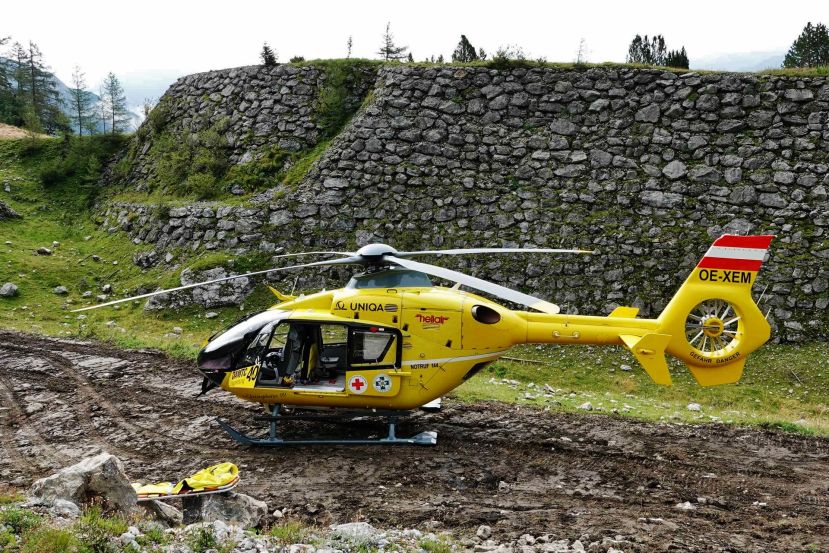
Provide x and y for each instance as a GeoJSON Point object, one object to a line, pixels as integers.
{"type": "Point", "coordinates": [288, 533]}
{"type": "Point", "coordinates": [20, 520]}
{"type": "Point", "coordinates": [202, 539]}
{"type": "Point", "coordinates": [94, 530]}
{"type": "Point", "coordinates": [435, 545]}
{"type": "Point", "coordinates": [784, 387]}
{"type": "Point", "coordinates": [51, 540]}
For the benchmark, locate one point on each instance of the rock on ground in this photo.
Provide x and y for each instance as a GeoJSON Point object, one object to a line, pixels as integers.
{"type": "Point", "coordinates": [233, 507]}
{"type": "Point", "coordinates": [7, 212]}
{"type": "Point", "coordinates": [8, 290]}
{"type": "Point", "coordinates": [100, 476]}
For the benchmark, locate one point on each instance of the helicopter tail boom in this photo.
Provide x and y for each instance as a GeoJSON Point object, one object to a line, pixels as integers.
{"type": "Point", "coordinates": [711, 324]}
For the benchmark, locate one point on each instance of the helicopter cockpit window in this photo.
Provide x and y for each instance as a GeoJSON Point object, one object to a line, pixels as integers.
{"type": "Point", "coordinates": [257, 346]}
{"type": "Point", "coordinates": [372, 346]}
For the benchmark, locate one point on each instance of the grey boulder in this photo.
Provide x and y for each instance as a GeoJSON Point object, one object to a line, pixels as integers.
{"type": "Point", "coordinates": [8, 290]}
{"type": "Point", "coordinates": [101, 476]}
{"type": "Point", "coordinates": [233, 507]}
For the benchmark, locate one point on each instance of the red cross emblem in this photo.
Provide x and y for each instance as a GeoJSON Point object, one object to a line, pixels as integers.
{"type": "Point", "coordinates": [357, 384]}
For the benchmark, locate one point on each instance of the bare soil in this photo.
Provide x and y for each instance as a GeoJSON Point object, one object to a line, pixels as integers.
{"type": "Point", "coordinates": [517, 469]}
{"type": "Point", "coordinates": [10, 132]}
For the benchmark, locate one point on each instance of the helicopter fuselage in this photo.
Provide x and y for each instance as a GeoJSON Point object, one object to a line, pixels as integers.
{"type": "Point", "coordinates": [395, 347]}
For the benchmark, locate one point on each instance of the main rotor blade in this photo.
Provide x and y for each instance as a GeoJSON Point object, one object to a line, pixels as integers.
{"type": "Point", "coordinates": [465, 251]}
{"type": "Point", "coordinates": [300, 254]}
{"type": "Point", "coordinates": [223, 279]}
{"type": "Point", "coordinates": [478, 284]}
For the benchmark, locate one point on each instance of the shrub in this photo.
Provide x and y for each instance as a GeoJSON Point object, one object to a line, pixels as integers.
{"type": "Point", "coordinates": [159, 116]}
{"type": "Point", "coordinates": [288, 533]}
{"type": "Point", "coordinates": [94, 531]}
{"type": "Point", "coordinates": [20, 520]}
{"type": "Point", "coordinates": [202, 185]}
{"type": "Point", "coordinates": [201, 540]}
{"type": "Point", "coordinates": [435, 545]}
{"type": "Point", "coordinates": [49, 540]}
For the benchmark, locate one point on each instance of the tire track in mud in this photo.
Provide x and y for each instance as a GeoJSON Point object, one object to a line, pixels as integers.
{"type": "Point", "coordinates": [85, 388]}
{"type": "Point", "coordinates": [9, 400]}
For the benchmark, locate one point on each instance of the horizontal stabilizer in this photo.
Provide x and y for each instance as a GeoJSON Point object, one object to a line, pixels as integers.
{"type": "Point", "coordinates": [714, 376]}
{"type": "Point", "coordinates": [649, 350]}
{"type": "Point", "coordinates": [624, 312]}
{"type": "Point", "coordinates": [280, 296]}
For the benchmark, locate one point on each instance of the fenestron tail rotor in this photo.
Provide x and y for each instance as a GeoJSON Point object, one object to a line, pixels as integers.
{"type": "Point", "coordinates": [378, 255]}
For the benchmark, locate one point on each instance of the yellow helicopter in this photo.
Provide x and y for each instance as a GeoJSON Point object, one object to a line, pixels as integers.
{"type": "Point", "coordinates": [391, 341]}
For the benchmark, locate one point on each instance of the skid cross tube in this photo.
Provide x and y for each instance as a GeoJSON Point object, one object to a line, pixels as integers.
{"type": "Point", "coordinates": [274, 440]}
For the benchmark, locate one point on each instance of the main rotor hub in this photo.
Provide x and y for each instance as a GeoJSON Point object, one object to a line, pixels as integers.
{"type": "Point", "coordinates": [374, 252]}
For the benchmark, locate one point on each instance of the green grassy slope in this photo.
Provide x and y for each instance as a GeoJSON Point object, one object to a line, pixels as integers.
{"type": "Point", "coordinates": [784, 385]}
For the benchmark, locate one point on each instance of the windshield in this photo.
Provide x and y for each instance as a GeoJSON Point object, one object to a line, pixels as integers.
{"type": "Point", "coordinates": [243, 328]}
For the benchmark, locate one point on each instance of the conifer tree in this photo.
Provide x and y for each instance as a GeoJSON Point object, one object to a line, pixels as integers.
{"type": "Point", "coordinates": [268, 56]}
{"type": "Point", "coordinates": [8, 108]}
{"type": "Point", "coordinates": [348, 46]}
{"type": "Point", "coordinates": [464, 51]}
{"type": "Point", "coordinates": [44, 93]}
{"type": "Point", "coordinates": [116, 103]}
{"type": "Point", "coordinates": [390, 51]}
{"type": "Point", "coordinates": [648, 51]}
{"type": "Point", "coordinates": [481, 54]}
{"type": "Point", "coordinates": [677, 58]}
{"type": "Point", "coordinates": [82, 103]}
{"type": "Point", "coordinates": [810, 49]}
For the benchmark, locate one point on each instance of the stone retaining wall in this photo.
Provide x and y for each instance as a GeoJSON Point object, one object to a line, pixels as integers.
{"type": "Point", "coordinates": [644, 166]}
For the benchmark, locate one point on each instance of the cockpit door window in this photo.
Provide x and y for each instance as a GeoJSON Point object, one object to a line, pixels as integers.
{"type": "Point", "coordinates": [372, 348]}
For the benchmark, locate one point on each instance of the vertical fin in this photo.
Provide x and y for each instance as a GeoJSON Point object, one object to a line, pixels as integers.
{"type": "Point", "coordinates": [714, 376]}
{"type": "Point", "coordinates": [649, 350]}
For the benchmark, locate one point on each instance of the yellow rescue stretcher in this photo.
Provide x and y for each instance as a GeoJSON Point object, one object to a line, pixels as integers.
{"type": "Point", "coordinates": [216, 479]}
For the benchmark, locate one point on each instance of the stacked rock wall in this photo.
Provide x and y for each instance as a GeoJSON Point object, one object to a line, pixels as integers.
{"type": "Point", "coordinates": [644, 166]}
{"type": "Point", "coordinates": [253, 107]}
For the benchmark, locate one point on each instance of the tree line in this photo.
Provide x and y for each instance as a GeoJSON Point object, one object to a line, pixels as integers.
{"type": "Point", "coordinates": [30, 97]}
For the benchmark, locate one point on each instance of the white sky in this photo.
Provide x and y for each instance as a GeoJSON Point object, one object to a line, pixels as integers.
{"type": "Point", "coordinates": [151, 40]}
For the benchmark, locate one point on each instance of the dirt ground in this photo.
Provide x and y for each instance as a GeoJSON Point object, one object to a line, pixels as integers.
{"type": "Point", "coordinates": [519, 470]}
{"type": "Point", "coordinates": [8, 132]}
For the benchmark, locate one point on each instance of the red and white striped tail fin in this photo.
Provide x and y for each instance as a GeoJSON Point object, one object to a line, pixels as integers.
{"type": "Point", "coordinates": [733, 260]}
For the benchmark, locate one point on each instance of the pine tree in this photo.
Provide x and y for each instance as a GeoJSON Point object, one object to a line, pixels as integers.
{"type": "Point", "coordinates": [410, 58]}
{"type": "Point", "coordinates": [116, 103]}
{"type": "Point", "coordinates": [677, 58]}
{"type": "Point", "coordinates": [810, 49]}
{"type": "Point", "coordinates": [20, 59]}
{"type": "Point", "coordinates": [464, 51]}
{"type": "Point", "coordinates": [481, 54]}
{"type": "Point", "coordinates": [8, 107]}
{"type": "Point", "coordinates": [635, 50]}
{"type": "Point", "coordinates": [389, 51]}
{"type": "Point", "coordinates": [268, 56]}
{"type": "Point", "coordinates": [348, 46]}
{"type": "Point", "coordinates": [658, 50]}
{"type": "Point", "coordinates": [103, 107]}
{"type": "Point", "coordinates": [647, 51]}
{"type": "Point", "coordinates": [82, 103]}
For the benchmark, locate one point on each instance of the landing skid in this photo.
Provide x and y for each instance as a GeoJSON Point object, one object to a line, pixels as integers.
{"type": "Point", "coordinates": [274, 440]}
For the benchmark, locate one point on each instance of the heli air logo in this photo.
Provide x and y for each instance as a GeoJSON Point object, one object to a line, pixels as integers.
{"type": "Point", "coordinates": [432, 319]}
{"type": "Point", "coordinates": [365, 306]}
{"type": "Point", "coordinates": [382, 383]}
{"type": "Point", "coordinates": [357, 384]}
